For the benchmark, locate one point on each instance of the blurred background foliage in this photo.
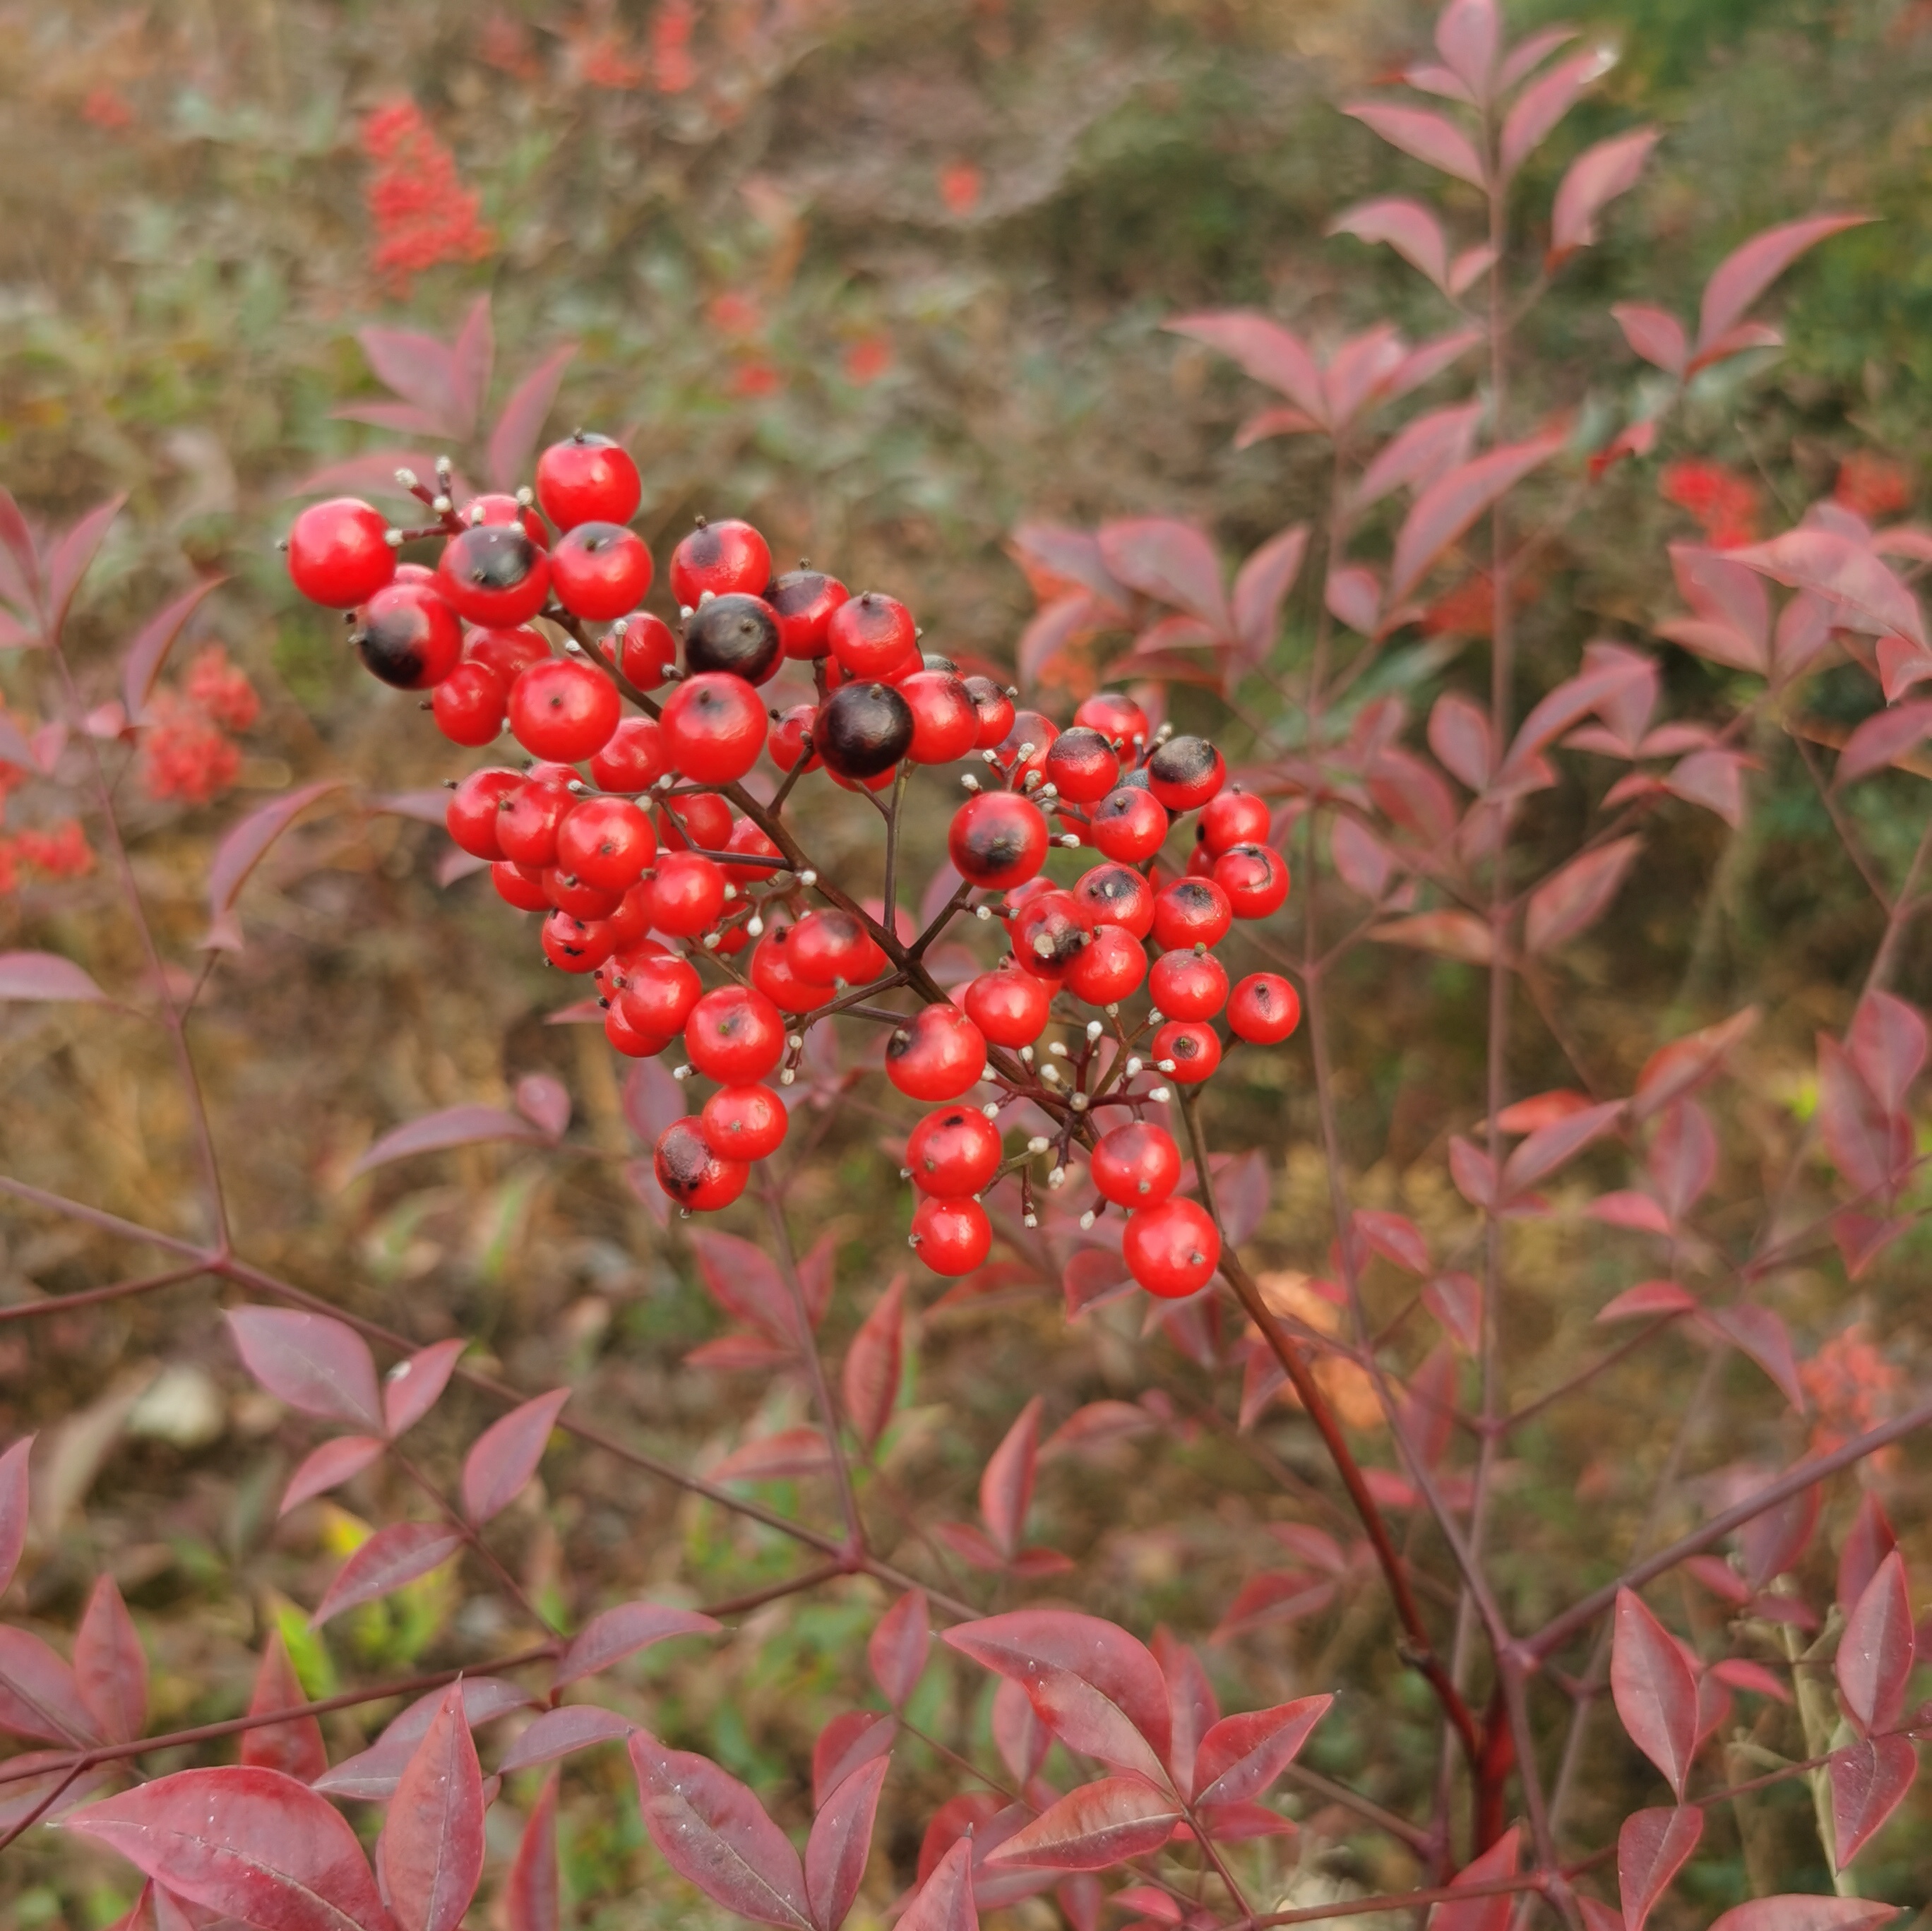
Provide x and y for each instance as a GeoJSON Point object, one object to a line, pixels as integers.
{"type": "Point", "coordinates": [888, 277]}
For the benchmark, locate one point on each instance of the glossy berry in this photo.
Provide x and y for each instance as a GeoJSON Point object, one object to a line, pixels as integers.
{"type": "Point", "coordinates": [828, 945]}
{"type": "Point", "coordinates": [576, 945]}
{"type": "Point", "coordinates": [408, 635]}
{"type": "Point", "coordinates": [723, 558]}
{"type": "Point", "coordinates": [1188, 985]}
{"type": "Point", "coordinates": [339, 553]}
{"type": "Point", "coordinates": [563, 710]}
{"type": "Point", "coordinates": [1116, 717]}
{"type": "Point", "coordinates": [687, 894]}
{"type": "Point", "coordinates": [1201, 863]}
{"type": "Point", "coordinates": [1081, 765]}
{"type": "Point", "coordinates": [745, 1122]}
{"type": "Point", "coordinates": [747, 840]}
{"type": "Point", "coordinates": [734, 1035]}
{"type": "Point", "coordinates": [468, 705]}
{"type": "Point", "coordinates": [527, 821]}
{"type": "Point", "coordinates": [606, 842]}
{"type": "Point", "coordinates": [587, 479]}
{"type": "Point", "coordinates": [1185, 772]}
{"type": "Point", "coordinates": [1255, 877]}
{"type": "Point", "coordinates": [508, 652]}
{"type": "Point", "coordinates": [633, 757]}
{"type": "Point", "coordinates": [873, 635]}
{"type": "Point", "coordinates": [997, 839]}
{"type": "Point", "coordinates": [773, 974]}
{"type": "Point", "coordinates": [1264, 1009]}
{"type": "Point", "coordinates": [691, 1174]}
{"type": "Point", "coordinates": [714, 727]}
{"type": "Point", "coordinates": [863, 730]}
{"type": "Point", "coordinates": [493, 574]}
{"type": "Point", "coordinates": [1108, 968]}
{"type": "Point", "coordinates": [497, 506]}
{"type": "Point", "coordinates": [474, 810]}
{"type": "Point", "coordinates": [702, 820]}
{"type": "Point", "coordinates": [953, 1152]}
{"type": "Point", "coordinates": [1233, 817]}
{"type": "Point", "coordinates": [516, 884]}
{"type": "Point", "coordinates": [1136, 1165]}
{"type": "Point", "coordinates": [1009, 1006]}
{"type": "Point", "coordinates": [628, 1040]}
{"type": "Point", "coordinates": [658, 992]}
{"type": "Point", "coordinates": [736, 633]}
{"type": "Point", "coordinates": [569, 893]}
{"type": "Point", "coordinates": [1190, 912]}
{"type": "Point", "coordinates": [804, 601]}
{"type": "Point", "coordinates": [598, 571]}
{"type": "Point", "coordinates": [1192, 1046]}
{"type": "Point", "coordinates": [1172, 1249]}
{"type": "Point", "coordinates": [632, 920]}
{"type": "Point", "coordinates": [1049, 932]}
{"type": "Point", "coordinates": [937, 1054]}
{"type": "Point", "coordinates": [945, 725]}
{"type": "Point", "coordinates": [647, 651]}
{"type": "Point", "coordinates": [1129, 824]}
{"type": "Point", "coordinates": [1028, 728]}
{"type": "Point", "coordinates": [995, 710]}
{"type": "Point", "coordinates": [953, 1236]}
{"type": "Point", "coordinates": [1116, 894]}
{"type": "Point", "coordinates": [789, 731]}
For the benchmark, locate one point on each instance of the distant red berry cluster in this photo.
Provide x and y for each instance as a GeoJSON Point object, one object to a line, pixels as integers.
{"type": "Point", "coordinates": [1727, 504]}
{"type": "Point", "coordinates": [186, 751]}
{"type": "Point", "coordinates": [423, 214]}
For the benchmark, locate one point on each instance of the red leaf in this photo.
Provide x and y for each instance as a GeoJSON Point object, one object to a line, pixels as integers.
{"type": "Point", "coordinates": [815, 1264]}
{"type": "Point", "coordinates": [1883, 738]}
{"type": "Point", "coordinates": [1713, 779]}
{"type": "Point", "coordinates": [1474, 1172]}
{"type": "Point", "coordinates": [714, 1832]}
{"type": "Point", "coordinates": [848, 1743]}
{"type": "Point", "coordinates": [1354, 598]}
{"type": "Point", "coordinates": [875, 1364]}
{"type": "Point", "coordinates": [1456, 1300]}
{"type": "Point", "coordinates": [1751, 1677]}
{"type": "Point", "coordinates": [1887, 1045]}
{"type": "Point", "coordinates": [13, 1507]}
{"type": "Point", "coordinates": [1096, 1688]}
{"type": "Point", "coordinates": [1360, 859]}
{"type": "Point", "coordinates": [430, 1852]}
{"type": "Point", "coordinates": [1867, 1145]}
{"type": "Point", "coordinates": [790, 1453]}
{"type": "Point", "coordinates": [246, 1842]}
{"type": "Point", "coordinates": [1426, 448]}
{"type": "Point", "coordinates": [896, 1649]}
{"type": "Point", "coordinates": [1095, 1827]}
{"type": "Point", "coordinates": [1241, 1184]}
{"type": "Point", "coordinates": [1761, 1334]}
{"type": "Point", "coordinates": [1192, 1708]}
{"type": "Point", "coordinates": [742, 1279]}
{"type": "Point", "coordinates": [1455, 935]}
{"type": "Point", "coordinates": [1431, 138]}
{"type": "Point", "coordinates": [1359, 371]}
{"type": "Point", "coordinates": [1652, 1847]}
{"type": "Point", "coordinates": [44, 975]}
{"type": "Point", "coordinates": [1745, 274]}
{"type": "Point", "coordinates": [840, 1843]}
{"type": "Point", "coordinates": [545, 1103]}
{"type": "Point", "coordinates": [532, 1897]}
{"type": "Point", "coordinates": [1655, 1693]}
{"type": "Point", "coordinates": [329, 1467]}
{"type": "Point", "coordinates": [38, 1694]}
{"type": "Point", "coordinates": [514, 438]}
{"type": "Point", "coordinates": [1647, 1300]}
{"type": "Point", "coordinates": [1552, 1147]}
{"type": "Point", "coordinates": [1595, 178]}
{"type": "Point", "coordinates": [110, 1668]}
{"type": "Point", "coordinates": [945, 1899]}
{"type": "Point", "coordinates": [1173, 562]}
{"type": "Point", "coordinates": [1099, 1425]}
{"type": "Point", "coordinates": [1005, 1488]}
{"type": "Point", "coordinates": [1260, 585]}
{"type": "Point", "coordinates": [616, 1633]}
{"type": "Point", "coordinates": [414, 1386]}
{"type": "Point", "coordinates": [1427, 361]}
{"type": "Point", "coordinates": [1683, 1158]}
{"type": "Point", "coordinates": [141, 663]}
{"type": "Point", "coordinates": [1467, 32]}
{"type": "Point", "coordinates": [1269, 353]}
{"type": "Point", "coordinates": [241, 850]}
{"type": "Point", "coordinates": [1274, 1596]}
{"type": "Point", "coordinates": [1655, 334]}
{"type": "Point", "coordinates": [453, 1126]}
{"type": "Point", "coordinates": [20, 566]}
{"type": "Point", "coordinates": [1771, 1543]}
{"type": "Point", "coordinates": [1482, 1914]}
{"type": "Point", "coordinates": [71, 555]}
{"type": "Point", "coordinates": [391, 1558]}
{"type": "Point", "coordinates": [1845, 571]}
{"type": "Point", "coordinates": [1794, 1912]}
{"type": "Point", "coordinates": [318, 1365]}
{"type": "Point", "coordinates": [1542, 105]}
{"type": "Point", "coordinates": [1565, 907]}
{"type": "Point", "coordinates": [973, 1546]}
{"type": "Point", "coordinates": [470, 364]}
{"type": "Point", "coordinates": [404, 417]}
{"type": "Point", "coordinates": [1684, 1064]}
{"type": "Point", "coordinates": [1530, 52]}
{"type": "Point", "coordinates": [577, 1726]}
{"type": "Point", "coordinates": [1446, 509]}
{"type": "Point", "coordinates": [1241, 1756]}
{"type": "Point", "coordinates": [1413, 232]}
{"type": "Point", "coordinates": [505, 1455]}
{"type": "Point", "coordinates": [1869, 1782]}
{"type": "Point", "coordinates": [1458, 735]}
{"type": "Point", "coordinates": [295, 1747]}
{"type": "Point", "coordinates": [1868, 1542]}
{"type": "Point", "coordinates": [1875, 1654]}
{"type": "Point", "coordinates": [420, 370]}
{"type": "Point", "coordinates": [1395, 1238]}
{"type": "Point", "coordinates": [1021, 1738]}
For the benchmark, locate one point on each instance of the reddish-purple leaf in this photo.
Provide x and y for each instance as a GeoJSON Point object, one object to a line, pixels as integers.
{"type": "Point", "coordinates": [1656, 1695]}
{"type": "Point", "coordinates": [1455, 935]}
{"type": "Point", "coordinates": [1266, 350]}
{"type": "Point", "coordinates": [1794, 1912]}
{"type": "Point", "coordinates": [1413, 232]}
{"type": "Point", "coordinates": [39, 1696]}
{"type": "Point", "coordinates": [20, 564]}
{"type": "Point", "coordinates": [1359, 371]}
{"type": "Point", "coordinates": [1745, 273]}
{"type": "Point", "coordinates": [1752, 1677]}
{"type": "Point", "coordinates": [1675, 1069]}
{"type": "Point", "coordinates": [419, 368]}
{"type": "Point", "coordinates": [782, 1457]}
{"type": "Point", "coordinates": [1887, 1044]}
{"type": "Point", "coordinates": [1273, 1597]}
{"type": "Point", "coordinates": [1491, 1913]}
{"type": "Point", "coordinates": [714, 1832]}
{"type": "Point", "coordinates": [505, 1455]}
{"type": "Point", "coordinates": [1655, 334]}
{"type": "Point", "coordinates": [1173, 562]}
{"type": "Point", "coordinates": [1095, 1827]}
{"type": "Point", "coordinates": [1844, 570]}
{"type": "Point", "coordinates": [1260, 585]}
{"type": "Point", "coordinates": [391, 1557]}
{"type": "Point", "coordinates": [1883, 738]}
{"type": "Point", "coordinates": [515, 437]}
{"type": "Point", "coordinates": [1875, 1654]}
{"type": "Point", "coordinates": [544, 1101]}
{"type": "Point", "coordinates": [1867, 1144]}
{"type": "Point", "coordinates": [1869, 1782]}
{"type": "Point", "coordinates": [371, 1776]}
{"type": "Point", "coordinates": [1683, 1158]}
{"type": "Point", "coordinates": [1713, 779]}
{"type": "Point", "coordinates": [329, 1467]}
{"type": "Point", "coordinates": [413, 1387]}
{"type": "Point", "coordinates": [1761, 1333]}
{"type": "Point", "coordinates": [295, 1747]}
{"type": "Point", "coordinates": [245, 1843]}
{"type": "Point", "coordinates": [1868, 1542]}
{"type": "Point", "coordinates": [1021, 1738]}
{"type": "Point", "coordinates": [1099, 1425]}
{"type": "Point", "coordinates": [142, 662]}
{"type": "Point", "coordinates": [1474, 1172]}
{"type": "Point", "coordinates": [1241, 1756]}
{"type": "Point", "coordinates": [815, 1267]}
{"type": "Point", "coordinates": [1394, 1236]}
{"type": "Point", "coordinates": [45, 975]}
{"type": "Point", "coordinates": [1900, 664]}
{"type": "Point", "coordinates": [616, 1633]}
{"type": "Point", "coordinates": [71, 555]}
{"type": "Point", "coordinates": [1530, 52]}
{"type": "Point", "coordinates": [471, 359]}
{"type": "Point", "coordinates": [577, 1726]}
{"type": "Point", "coordinates": [531, 1899]}
{"type": "Point", "coordinates": [404, 417]}
{"type": "Point", "coordinates": [110, 1668]}
{"type": "Point", "coordinates": [320, 1365]}
{"type": "Point", "coordinates": [849, 1742]}
{"type": "Point", "coordinates": [840, 1843]}
{"type": "Point", "coordinates": [945, 1899]}
{"type": "Point", "coordinates": [897, 1648]}
{"type": "Point", "coordinates": [1468, 33]}
{"type": "Point", "coordinates": [1772, 1542]}
{"type": "Point", "coordinates": [13, 1507]}
{"type": "Point", "coordinates": [430, 1852]}
{"type": "Point", "coordinates": [1353, 596]}
{"type": "Point", "coordinates": [1647, 1300]}
{"type": "Point", "coordinates": [1652, 1847]}
{"type": "Point", "coordinates": [1426, 448]}
{"type": "Point", "coordinates": [1565, 907]}
{"type": "Point", "coordinates": [452, 1126]}
{"type": "Point", "coordinates": [1424, 363]}
{"type": "Point", "coordinates": [41, 1787]}
{"type": "Point", "coordinates": [1455, 1300]}
{"type": "Point", "coordinates": [1554, 1146]}
{"type": "Point", "coordinates": [1458, 735]}
{"type": "Point", "coordinates": [241, 850]}
{"type": "Point", "coordinates": [742, 1277]}
{"type": "Point", "coordinates": [1192, 1708]}
{"type": "Point", "coordinates": [1446, 509]}
{"type": "Point", "coordinates": [1005, 1488]}
{"type": "Point", "coordinates": [1595, 178]}
{"type": "Point", "coordinates": [1360, 859]}
{"type": "Point", "coordinates": [874, 1364]}
{"type": "Point", "coordinates": [1542, 105]}
{"type": "Point", "coordinates": [1430, 138]}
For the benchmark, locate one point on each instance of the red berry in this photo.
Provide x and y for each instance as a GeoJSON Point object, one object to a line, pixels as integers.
{"type": "Point", "coordinates": [714, 727]}
{"type": "Point", "coordinates": [647, 651]}
{"type": "Point", "coordinates": [475, 809]}
{"type": "Point", "coordinates": [576, 945]}
{"type": "Point", "coordinates": [628, 1040]}
{"type": "Point", "coordinates": [1255, 877]}
{"type": "Point", "coordinates": [687, 894]}
{"type": "Point", "coordinates": [937, 1054]}
{"type": "Point", "coordinates": [516, 884]}
{"type": "Point", "coordinates": [804, 601]}
{"type": "Point", "coordinates": [952, 1237]}
{"type": "Point", "coordinates": [1009, 1006]}
{"type": "Point", "coordinates": [563, 710]}
{"type": "Point", "coordinates": [569, 893]}
{"type": "Point", "coordinates": [702, 819]}
{"type": "Point", "coordinates": [738, 632]}
{"type": "Point", "coordinates": [1107, 969]}
{"type": "Point", "coordinates": [1028, 728]}
{"type": "Point", "coordinates": [1172, 1249]}
{"type": "Point", "coordinates": [495, 506]}
{"type": "Point", "coordinates": [408, 635]}
{"type": "Point", "coordinates": [1233, 817]}
{"type": "Point", "coordinates": [633, 758]}
{"type": "Point", "coordinates": [1191, 912]}
{"type": "Point", "coordinates": [1081, 765]}
{"type": "Point", "coordinates": [1192, 1047]}
{"type": "Point", "coordinates": [773, 974]}
{"type": "Point", "coordinates": [691, 1174]}
{"type": "Point", "coordinates": [789, 732]}
{"type": "Point", "coordinates": [734, 1035]}
{"type": "Point", "coordinates": [1049, 932]}
{"type": "Point", "coordinates": [1116, 718]}
{"type": "Point", "coordinates": [863, 730]}
{"type": "Point", "coordinates": [598, 571]}
{"type": "Point", "coordinates": [1200, 862]}
{"type": "Point", "coordinates": [1264, 1009]}
{"type": "Point", "coordinates": [954, 1151]}
{"type": "Point", "coordinates": [468, 705]}
{"type": "Point", "coordinates": [995, 710]}
{"type": "Point", "coordinates": [588, 479]}
{"type": "Point", "coordinates": [997, 839]}
{"type": "Point", "coordinates": [1129, 824]}
{"type": "Point", "coordinates": [721, 558]}
{"type": "Point", "coordinates": [659, 993]}
{"type": "Point", "coordinates": [828, 945]}
{"type": "Point", "coordinates": [748, 840]}
{"type": "Point", "coordinates": [494, 575]}
{"type": "Point", "coordinates": [945, 725]}
{"type": "Point", "coordinates": [607, 842]}
{"type": "Point", "coordinates": [745, 1122]}
{"type": "Point", "coordinates": [339, 553]}
{"type": "Point", "coordinates": [527, 820]}
{"type": "Point", "coordinates": [1136, 1165]}
{"type": "Point", "coordinates": [1185, 772]}
{"type": "Point", "coordinates": [873, 635]}
{"type": "Point", "coordinates": [1188, 985]}
{"type": "Point", "coordinates": [508, 652]}
{"type": "Point", "coordinates": [881, 780]}
{"type": "Point", "coordinates": [1116, 894]}
{"type": "Point", "coordinates": [632, 920]}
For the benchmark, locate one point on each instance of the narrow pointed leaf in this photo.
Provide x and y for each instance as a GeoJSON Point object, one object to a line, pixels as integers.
{"type": "Point", "coordinates": [1655, 1693]}
{"type": "Point", "coordinates": [142, 662]}
{"type": "Point", "coordinates": [1595, 178]}
{"type": "Point", "coordinates": [39, 1696]}
{"type": "Point", "coordinates": [1260, 586]}
{"type": "Point", "coordinates": [1095, 1827]}
{"type": "Point", "coordinates": [1406, 226]}
{"type": "Point", "coordinates": [1566, 906]}
{"type": "Point", "coordinates": [1652, 1847]}
{"type": "Point", "coordinates": [1875, 1653]}
{"type": "Point", "coordinates": [321, 1366]}
{"type": "Point", "coordinates": [1794, 1912]}
{"type": "Point", "coordinates": [848, 1743]}
{"type": "Point", "coordinates": [1241, 1756]}
{"type": "Point", "coordinates": [390, 1557]}
{"type": "Point", "coordinates": [71, 555]}
{"type": "Point", "coordinates": [419, 368]}
{"type": "Point", "coordinates": [14, 1504]}
{"type": "Point", "coordinates": [1173, 562]}
{"type": "Point", "coordinates": [1445, 511]}
{"type": "Point", "coordinates": [1844, 570]}
{"type": "Point", "coordinates": [1869, 1781]}
{"type": "Point", "coordinates": [616, 1633]}
{"type": "Point", "coordinates": [1005, 1488]}
{"type": "Point", "coordinates": [1425, 449]}
{"type": "Point", "coordinates": [874, 1364]}
{"type": "Point", "coordinates": [413, 1387]}
{"type": "Point", "coordinates": [514, 440]}
{"type": "Point", "coordinates": [294, 1746]}
{"type": "Point", "coordinates": [557, 1733]}
{"type": "Point", "coordinates": [241, 850]}
{"type": "Point", "coordinates": [110, 1667]}
{"type": "Point", "coordinates": [1543, 104]}
{"type": "Point", "coordinates": [1431, 138]}
{"type": "Point", "coordinates": [1269, 353]}
{"type": "Point", "coordinates": [945, 1899]}
{"type": "Point", "coordinates": [371, 1776]}
{"type": "Point", "coordinates": [840, 1843]}
{"type": "Point", "coordinates": [329, 1467]}
{"type": "Point", "coordinates": [897, 1648]}
{"type": "Point", "coordinates": [1655, 334]}
{"type": "Point", "coordinates": [35, 976]}
{"type": "Point", "coordinates": [430, 1854]}
{"type": "Point", "coordinates": [506, 1454]}
{"type": "Point", "coordinates": [1746, 272]}
{"type": "Point", "coordinates": [532, 1896]}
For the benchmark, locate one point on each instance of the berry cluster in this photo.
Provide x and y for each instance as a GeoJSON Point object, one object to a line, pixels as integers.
{"type": "Point", "coordinates": [633, 833]}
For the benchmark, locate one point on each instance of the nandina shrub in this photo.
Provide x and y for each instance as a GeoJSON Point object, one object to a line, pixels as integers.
{"type": "Point", "coordinates": [1062, 1150]}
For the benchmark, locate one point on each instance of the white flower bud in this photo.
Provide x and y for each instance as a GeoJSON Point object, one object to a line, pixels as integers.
{"type": "Point", "coordinates": [441, 505]}
{"type": "Point", "coordinates": [755, 926]}
{"type": "Point", "coordinates": [1164, 1066]}
{"type": "Point", "coordinates": [1087, 1219]}
{"type": "Point", "coordinates": [788, 1077]}
{"type": "Point", "coordinates": [1133, 1066]}
{"type": "Point", "coordinates": [1039, 1144]}
{"type": "Point", "coordinates": [1160, 1094]}
{"type": "Point", "coordinates": [971, 783]}
{"type": "Point", "coordinates": [407, 477]}
{"type": "Point", "coordinates": [990, 1109]}
{"type": "Point", "coordinates": [807, 878]}
{"type": "Point", "coordinates": [1051, 1074]}
{"type": "Point", "coordinates": [1057, 1178]}
{"type": "Point", "coordinates": [1094, 1029]}
{"type": "Point", "coordinates": [681, 1072]}
{"type": "Point", "coordinates": [1155, 1016]}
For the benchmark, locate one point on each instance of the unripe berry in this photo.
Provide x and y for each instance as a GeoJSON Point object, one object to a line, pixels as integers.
{"type": "Point", "coordinates": [339, 553]}
{"type": "Point", "coordinates": [722, 558]}
{"type": "Point", "coordinates": [598, 571]}
{"type": "Point", "coordinates": [587, 479]}
{"type": "Point", "coordinates": [562, 708]}
{"type": "Point", "coordinates": [493, 574]}
{"type": "Point", "coordinates": [714, 727]}
{"type": "Point", "coordinates": [737, 633]}
{"type": "Point", "coordinates": [1264, 1009]}
{"type": "Point", "coordinates": [408, 635]}
{"type": "Point", "coordinates": [1172, 1249]}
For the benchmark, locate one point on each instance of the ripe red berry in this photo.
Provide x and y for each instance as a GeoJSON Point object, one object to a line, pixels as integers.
{"type": "Point", "coordinates": [468, 705]}
{"type": "Point", "coordinates": [633, 758]}
{"type": "Point", "coordinates": [1136, 1165]}
{"type": "Point", "coordinates": [937, 1054]}
{"type": "Point", "coordinates": [562, 708]}
{"type": "Point", "coordinates": [569, 893]}
{"type": "Point", "coordinates": [1264, 1009]}
{"type": "Point", "coordinates": [1116, 717]}
{"type": "Point", "coordinates": [1188, 985]}
{"type": "Point", "coordinates": [631, 921]}
{"type": "Point", "coordinates": [339, 553]}
{"type": "Point", "coordinates": [790, 730]}
{"type": "Point", "coordinates": [997, 839]}
{"type": "Point", "coordinates": [1255, 877]}
{"type": "Point", "coordinates": [1172, 1249]}
{"type": "Point", "coordinates": [1200, 862]}
{"type": "Point", "coordinates": [828, 945]}
{"type": "Point", "coordinates": [953, 1152]}
{"type": "Point", "coordinates": [745, 1122]}
{"type": "Point", "coordinates": [1049, 931]}
{"type": "Point", "coordinates": [496, 506]}
{"type": "Point", "coordinates": [1028, 728]}
{"type": "Point", "coordinates": [1107, 969]}
{"type": "Point", "coordinates": [1190, 912]}
{"type": "Point", "coordinates": [702, 820]}
{"type": "Point", "coordinates": [737, 633]}
{"type": "Point", "coordinates": [691, 1174]}
{"type": "Point", "coordinates": [1233, 817]}
{"type": "Point", "coordinates": [408, 635]}
{"type": "Point", "coordinates": [734, 1035]}
{"type": "Point", "coordinates": [598, 571]}
{"type": "Point", "coordinates": [721, 558]}
{"type": "Point", "coordinates": [658, 992]}
{"type": "Point", "coordinates": [1185, 772]}
{"type": "Point", "coordinates": [1116, 894]}
{"type": "Point", "coordinates": [576, 945]}
{"type": "Point", "coordinates": [587, 479]}
{"type": "Point", "coordinates": [953, 1236]}
{"type": "Point", "coordinates": [862, 731]}
{"type": "Point", "coordinates": [804, 601]}
{"type": "Point", "coordinates": [646, 650]}
{"type": "Point", "coordinates": [687, 894]}
{"type": "Point", "coordinates": [873, 637]}
{"type": "Point", "coordinates": [1009, 1006]}
{"type": "Point", "coordinates": [475, 809]}
{"type": "Point", "coordinates": [508, 652]}
{"type": "Point", "coordinates": [628, 1040]}
{"type": "Point", "coordinates": [606, 842]}
{"type": "Point", "coordinates": [773, 974]}
{"type": "Point", "coordinates": [995, 710]}
{"type": "Point", "coordinates": [945, 725]}
{"type": "Point", "coordinates": [714, 727]}
{"type": "Point", "coordinates": [747, 840]}
{"type": "Point", "coordinates": [1190, 1046]}
{"type": "Point", "coordinates": [527, 820]}
{"type": "Point", "coordinates": [494, 575]}
{"type": "Point", "coordinates": [1081, 765]}
{"type": "Point", "coordinates": [518, 886]}
{"type": "Point", "coordinates": [1129, 824]}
